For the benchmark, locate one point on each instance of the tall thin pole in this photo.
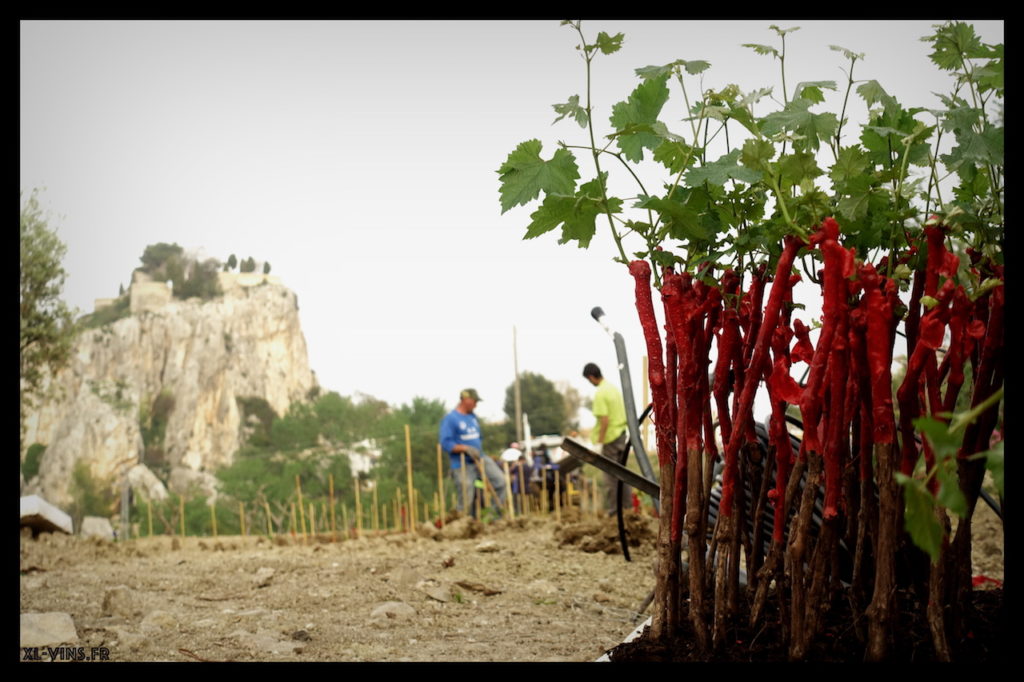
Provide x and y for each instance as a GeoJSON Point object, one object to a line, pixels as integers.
{"type": "Point", "coordinates": [359, 508]}
{"type": "Point", "coordinates": [408, 474]}
{"type": "Point", "coordinates": [330, 496]}
{"type": "Point", "coordinates": [440, 486]}
{"type": "Point", "coordinates": [516, 390]}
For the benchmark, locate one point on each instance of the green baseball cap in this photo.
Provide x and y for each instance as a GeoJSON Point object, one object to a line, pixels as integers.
{"type": "Point", "coordinates": [469, 393]}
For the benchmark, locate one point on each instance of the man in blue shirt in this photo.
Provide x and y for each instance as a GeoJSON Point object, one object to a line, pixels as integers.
{"type": "Point", "coordinates": [460, 437]}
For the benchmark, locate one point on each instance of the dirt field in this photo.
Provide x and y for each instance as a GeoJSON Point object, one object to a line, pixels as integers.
{"type": "Point", "coordinates": [516, 591]}
{"type": "Point", "coordinates": [530, 590]}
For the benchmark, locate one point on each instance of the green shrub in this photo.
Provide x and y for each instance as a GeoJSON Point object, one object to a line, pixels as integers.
{"type": "Point", "coordinates": [89, 496]}
{"type": "Point", "coordinates": [254, 405]}
{"type": "Point", "coordinates": [30, 467]}
{"type": "Point", "coordinates": [120, 309]}
{"type": "Point", "coordinates": [153, 420]}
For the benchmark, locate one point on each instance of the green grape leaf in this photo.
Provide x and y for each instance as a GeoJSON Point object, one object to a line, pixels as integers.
{"type": "Point", "coordinates": [797, 166]}
{"type": "Point", "coordinates": [783, 31]}
{"type": "Point", "coordinates": [762, 49]}
{"type": "Point", "coordinates": [609, 44]}
{"type": "Point", "coordinates": [721, 171]}
{"type": "Point", "coordinates": [994, 464]}
{"type": "Point", "coordinates": [640, 108]}
{"type": "Point", "coordinates": [919, 516]}
{"type": "Point", "coordinates": [849, 54]}
{"type": "Point", "coordinates": [649, 72]}
{"type": "Point", "coordinates": [990, 76]}
{"type": "Point", "coordinates": [572, 108]}
{"type": "Point", "coordinates": [944, 443]}
{"type": "Point", "coordinates": [575, 214]}
{"type": "Point", "coordinates": [682, 221]}
{"type": "Point", "coordinates": [797, 118]}
{"type": "Point", "coordinates": [985, 147]}
{"type": "Point", "coordinates": [695, 66]}
{"type": "Point", "coordinates": [850, 163]}
{"type": "Point", "coordinates": [950, 496]}
{"type": "Point", "coordinates": [692, 67]}
{"type": "Point", "coordinates": [952, 42]}
{"type": "Point", "coordinates": [757, 153]}
{"type": "Point", "coordinates": [812, 90]}
{"type": "Point", "coordinates": [524, 175]}
{"type": "Point", "coordinates": [674, 155]}
{"type": "Point", "coordinates": [960, 117]}
{"type": "Point", "coordinates": [872, 92]}
{"type": "Point", "coordinates": [857, 201]}
{"type": "Point", "coordinates": [945, 446]}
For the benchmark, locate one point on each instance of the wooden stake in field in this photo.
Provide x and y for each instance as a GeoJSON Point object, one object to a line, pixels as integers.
{"type": "Point", "coordinates": [302, 512]}
{"type": "Point", "coordinates": [510, 502]}
{"type": "Point", "coordinates": [482, 473]}
{"type": "Point", "coordinates": [522, 489]}
{"type": "Point", "coordinates": [408, 476]}
{"type": "Point", "coordinates": [375, 510]}
{"type": "Point", "coordinates": [544, 504]}
{"type": "Point", "coordinates": [181, 513]}
{"type": "Point", "coordinates": [359, 509]}
{"type": "Point", "coordinates": [312, 521]}
{"type": "Point", "coordinates": [344, 521]}
{"type": "Point", "coordinates": [241, 517]}
{"type": "Point", "coordinates": [149, 517]}
{"type": "Point", "coordinates": [399, 516]}
{"type": "Point", "coordinates": [414, 504]}
{"type": "Point", "coordinates": [213, 518]}
{"type": "Point", "coordinates": [477, 498]}
{"type": "Point", "coordinates": [270, 525]}
{"type": "Point", "coordinates": [292, 529]}
{"type": "Point", "coordinates": [465, 502]}
{"type": "Point", "coordinates": [384, 514]}
{"type": "Point", "coordinates": [440, 486]}
{"type": "Point", "coordinates": [330, 497]}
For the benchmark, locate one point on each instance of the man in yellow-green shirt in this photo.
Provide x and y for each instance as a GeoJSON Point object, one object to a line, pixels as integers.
{"type": "Point", "coordinates": [609, 431]}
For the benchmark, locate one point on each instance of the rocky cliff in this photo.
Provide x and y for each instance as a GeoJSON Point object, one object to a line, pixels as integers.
{"type": "Point", "coordinates": [165, 388]}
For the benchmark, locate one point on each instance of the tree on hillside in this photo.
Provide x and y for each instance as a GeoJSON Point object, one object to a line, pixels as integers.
{"type": "Point", "coordinates": [293, 445]}
{"type": "Point", "coordinates": [46, 321]}
{"type": "Point", "coordinates": [541, 401]}
{"type": "Point", "coordinates": [159, 260]}
{"type": "Point", "coordinates": [573, 402]}
{"type": "Point", "coordinates": [188, 277]}
{"type": "Point", "coordinates": [344, 420]}
{"type": "Point", "coordinates": [200, 281]}
{"type": "Point", "coordinates": [423, 416]}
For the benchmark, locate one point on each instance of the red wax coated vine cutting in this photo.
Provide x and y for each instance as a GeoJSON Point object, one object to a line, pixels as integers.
{"type": "Point", "coordinates": [780, 285]}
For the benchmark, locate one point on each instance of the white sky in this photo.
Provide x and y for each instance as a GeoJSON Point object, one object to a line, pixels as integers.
{"type": "Point", "coordinates": [359, 159]}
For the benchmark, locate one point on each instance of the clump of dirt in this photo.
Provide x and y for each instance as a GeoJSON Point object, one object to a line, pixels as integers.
{"type": "Point", "coordinates": [602, 535]}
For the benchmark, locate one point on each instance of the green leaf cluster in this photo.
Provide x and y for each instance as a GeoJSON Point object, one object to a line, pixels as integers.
{"type": "Point", "coordinates": [46, 322]}
{"type": "Point", "coordinates": [774, 176]}
{"type": "Point", "coordinates": [90, 495]}
{"type": "Point", "coordinates": [524, 175]}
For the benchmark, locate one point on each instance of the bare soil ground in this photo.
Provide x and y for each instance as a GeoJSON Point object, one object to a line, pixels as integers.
{"type": "Point", "coordinates": [527, 590]}
{"type": "Point", "coordinates": [524, 590]}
